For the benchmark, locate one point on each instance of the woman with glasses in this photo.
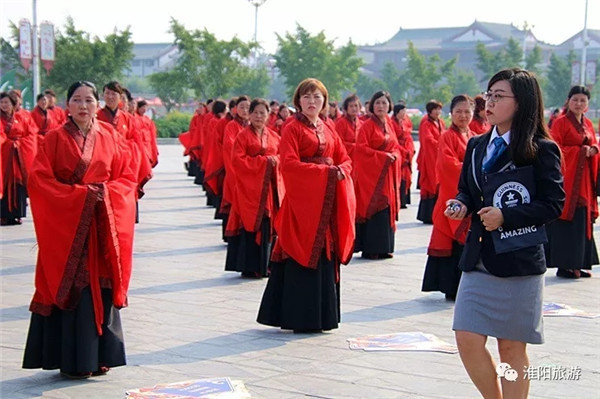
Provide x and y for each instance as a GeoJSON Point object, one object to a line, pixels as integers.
{"type": "Point", "coordinates": [448, 236]}
{"type": "Point", "coordinates": [17, 154]}
{"type": "Point", "coordinates": [511, 184]}
{"type": "Point", "coordinates": [377, 164]}
{"type": "Point", "coordinates": [430, 129]}
{"type": "Point", "coordinates": [571, 247]}
{"type": "Point", "coordinates": [315, 225]}
{"type": "Point", "coordinates": [82, 191]}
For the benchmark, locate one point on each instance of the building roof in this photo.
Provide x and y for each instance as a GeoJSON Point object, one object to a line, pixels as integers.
{"type": "Point", "coordinates": [454, 37]}
{"type": "Point", "coordinates": [151, 50]}
{"type": "Point", "coordinates": [593, 35]}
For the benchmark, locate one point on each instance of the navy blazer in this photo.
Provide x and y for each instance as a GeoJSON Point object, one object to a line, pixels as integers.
{"type": "Point", "coordinates": [545, 207]}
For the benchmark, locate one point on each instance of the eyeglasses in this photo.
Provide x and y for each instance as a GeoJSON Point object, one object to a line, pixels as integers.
{"type": "Point", "coordinates": [494, 97]}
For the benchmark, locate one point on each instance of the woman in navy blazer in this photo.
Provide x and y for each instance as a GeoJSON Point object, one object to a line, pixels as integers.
{"type": "Point", "coordinates": [500, 294]}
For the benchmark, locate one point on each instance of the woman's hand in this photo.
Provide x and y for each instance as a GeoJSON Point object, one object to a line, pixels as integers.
{"type": "Point", "coordinates": [491, 217]}
{"type": "Point", "coordinates": [455, 209]}
{"type": "Point", "coordinates": [590, 151]}
{"type": "Point", "coordinates": [391, 156]}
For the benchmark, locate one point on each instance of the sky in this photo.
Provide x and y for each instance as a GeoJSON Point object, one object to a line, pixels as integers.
{"type": "Point", "coordinates": [364, 22]}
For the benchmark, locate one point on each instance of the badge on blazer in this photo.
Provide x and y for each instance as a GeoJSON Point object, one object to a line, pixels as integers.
{"type": "Point", "coordinates": [511, 194]}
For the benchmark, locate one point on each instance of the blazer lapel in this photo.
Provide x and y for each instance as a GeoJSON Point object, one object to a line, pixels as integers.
{"type": "Point", "coordinates": [479, 152]}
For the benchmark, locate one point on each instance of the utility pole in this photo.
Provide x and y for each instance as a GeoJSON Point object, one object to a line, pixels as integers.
{"type": "Point", "coordinates": [584, 48]}
{"type": "Point", "coordinates": [36, 53]}
{"type": "Point", "coordinates": [256, 4]}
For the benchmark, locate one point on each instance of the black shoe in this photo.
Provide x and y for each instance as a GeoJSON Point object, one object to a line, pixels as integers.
{"type": "Point", "coordinates": [450, 297]}
{"type": "Point", "coordinates": [566, 273]}
{"type": "Point", "coordinates": [307, 331]}
{"type": "Point", "coordinates": [75, 376]}
{"type": "Point", "coordinates": [585, 274]}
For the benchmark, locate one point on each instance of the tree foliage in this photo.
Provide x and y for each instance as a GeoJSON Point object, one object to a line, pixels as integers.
{"type": "Point", "coordinates": [558, 79]}
{"type": "Point", "coordinates": [430, 77]}
{"type": "Point", "coordinates": [301, 55]}
{"type": "Point", "coordinates": [212, 67]}
{"type": "Point", "coordinates": [365, 86]}
{"type": "Point", "coordinates": [79, 57]}
{"type": "Point", "coordinates": [252, 82]}
{"type": "Point", "coordinates": [169, 87]}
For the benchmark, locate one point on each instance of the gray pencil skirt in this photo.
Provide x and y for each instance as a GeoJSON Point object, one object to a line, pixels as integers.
{"type": "Point", "coordinates": [501, 307]}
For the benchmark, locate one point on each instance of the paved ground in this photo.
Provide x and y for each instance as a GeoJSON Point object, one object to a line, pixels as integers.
{"type": "Point", "coordinates": [189, 319]}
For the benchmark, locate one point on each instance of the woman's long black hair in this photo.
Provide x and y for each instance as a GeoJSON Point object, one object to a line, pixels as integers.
{"type": "Point", "coordinates": [528, 121]}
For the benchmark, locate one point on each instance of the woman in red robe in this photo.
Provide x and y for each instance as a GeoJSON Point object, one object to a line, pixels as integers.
{"type": "Point", "coordinates": [233, 127]}
{"type": "Point", "coordinates": [43, 119]}
{"type": "Point", "coordinates": [189, 138]}
{"type": "Point", "coordinates": [430, 130]}
{"type": "Point", "coordinates": [282, 115]}
{"type": "Point", "coordinates": [479, 124]}
{"type": "Point", "coordinates": [210, 158]}
{"type": "Point", "coordinates": [18, 152]}
{"type": "Point", "coordinates": [403, 127]}
{"type": "Point", "coordinates": [82, 191]}
{"type": "Point", "coordinates": [448, 235]}
{"type": "Point", "coordinates": [258, 190]}
{"type": "Point", "coordinates": [347, 126]}
{"type": "Point", "coordinates": [377, 160]}
{"type": "Point", "coordinates": [315, 225]}
{"type": "Point", "coordinates": [571, 246]}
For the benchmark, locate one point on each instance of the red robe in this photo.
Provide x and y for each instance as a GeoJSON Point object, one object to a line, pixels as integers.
{"type": "Point", "coordinates": [212, 161]}
{"type": "Point", "coordinates": [347, 129]}
{"type": "Point", "coordinates": [451, 153]}
{"type": "Point", "coordinates": [44, 120]}
{"type": "Point", "coordinates": [258, 183]}
{"type": "Point", "coordinates": [580, 173]}
{"type": "Point", "coordinates": [230, 133]}
{"type": "Point", "coordinates": [148, 129]}
{"type": "Point", "coordinates": [317, 212]}
{"type": "Point", "coordinates": [124, 124]}
{"type": "Point", "coordinates": [83, 238]}
{"type": "Point", "coordinates": [407, 145]}
{"type": "Point", "coordinates": [215, 169]}
{"type": "Point", "coordinates": [192, 141]}
{"type": "Point", "coordinates": [59, 115]}
{"type": "Point", "coordinates": [18, 152]}
{"type": "Point", "coordinates": [377, 176]}
{"type": "Point", "coordinates": [479, 126]}
{"type": "Point", "coordinates": [429, 134]}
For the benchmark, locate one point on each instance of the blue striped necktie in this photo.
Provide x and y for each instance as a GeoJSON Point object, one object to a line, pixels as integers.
{"type": "Point", "coordinates": [499, 147]}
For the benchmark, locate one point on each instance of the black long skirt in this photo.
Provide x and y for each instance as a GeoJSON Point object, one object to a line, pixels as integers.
{"type": "Point", "coordinates": [68, 340]}
{"type": "Point", "coordinates": [375, 236]}
{"type": "Point", "coordinates": [404, 194]}
{"type": "Point", "coordinates": [247, 257]}
{"type": "Point", "coordinates": [199, 179]}
{"type": "Point", "coordinates": [192, 168]}
{"type": "Point", "coordinates": [299, 298]}
{"type": "Point", "coordinates": [20, 211]}
{"type": "Point", "coordinates": [442, 272]}
{"type": "Point", "coordinates": [425, 212]}
{"type": "Point", "coordinates": [568, 246]}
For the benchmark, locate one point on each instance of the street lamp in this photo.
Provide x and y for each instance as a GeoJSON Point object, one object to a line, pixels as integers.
{"type": "Point", "coordinates": [256, 4]}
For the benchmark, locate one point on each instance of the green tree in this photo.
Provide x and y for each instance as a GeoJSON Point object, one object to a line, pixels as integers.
{"type": "Point", "coordinates": [533, 59]}
{"type": "Point", "coordinates": [78, 57]}
{"type": "Point", "coordinates": [466, 83]}
{"type": "Point", "coordinates": [253, 82]}
{"type": "Point", "coordinates": [512, 54]}
{"type": "Point", "coordinates": [169, 87]}
{"type": "Point", "coordinates": [365, 86]}
{"type": "Point", "coordinates": [212, 67]}
{"type": "Point", "coordinates": [428, 78]}
{"type": "Point", "coordinates": [558, 79]}
{"type": "Point", "coordinates": [394, 81]}
{"type": "Point", "coordinates": [301, 55]}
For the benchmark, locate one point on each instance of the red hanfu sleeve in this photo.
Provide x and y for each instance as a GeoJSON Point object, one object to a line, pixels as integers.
{"type": "Point", "coordinates": [377, 184]}
{"type": "Point", "coordinates": [580, 173]}
{"type": "Point", "coordinates": [312, 189]}
{"type": "Point", "coordinates": [67, 213]}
